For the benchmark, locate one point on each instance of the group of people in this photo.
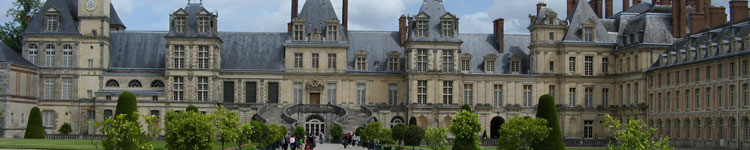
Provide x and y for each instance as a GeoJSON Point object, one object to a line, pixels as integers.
{"type": "Point", "coordinates": [303, 143]}
{"type": "Point", "coordinates": [350, 138]}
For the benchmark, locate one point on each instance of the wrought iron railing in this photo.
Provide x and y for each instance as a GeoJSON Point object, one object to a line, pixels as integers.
{"type": "Point", "coordinates": [370, 115]}
{"type": "Point", "coordinates": [309, 108]}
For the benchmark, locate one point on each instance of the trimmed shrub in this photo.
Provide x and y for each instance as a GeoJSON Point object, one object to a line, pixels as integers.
{"type": "Point", "coordinates": [191, 108]}
{"type": "Point", "coordinates": [466, 107]}
{"type": "Point", "coordinates": [416, 134]}
{"type": "Point", "coordinates": [398, 132]}
{"type": "Point", "coordinates": [337, 132]}
{"type": "Point", "coordinates": [413, 121]}
{"type": "Point", "coordinates": [547, 110]}
{"type": "Point", "coordinates": [65, 128]}
{"type": "Point", "coordinates": [299, 132]}
{"type": "Point", "coordinates": [189, 130]}
{"type": "Point", "coordinates": [34, 128]}
{"type": "Point", "coordinates": [126, 104]}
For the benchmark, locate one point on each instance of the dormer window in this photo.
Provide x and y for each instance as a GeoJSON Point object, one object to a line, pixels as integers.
{"type": "Point", "coordinates": [332, 32]}
{"type": "Point", "coordinates": [515, 65]}
{"type": "Point", "coordinates": [298, 29]}
{"type": "Point", "coordinates": [633, 39]}
{"type": "Point", "coordinates": [52, 22]}
{"type": "Point", "coordinates": [393, 63]}
{"type": "Point", "coordinates": [724, 47]}
{"type": "Point", "coordinates": [360, 60]}
{"type": "Point", "coordinates": [448, 28]}
{"type": "Point", "coordinates": [588, 34]}
{"type": "Point", "coordinates": [551, 20]}
{"type": "Point", "coordinates": [736, 45]}
{"type": "Point", "coordinates": [466, 62]}
{"type": "Point", "coordinates": [204, 25]}
{"type": "Point", "coordinates": [489, 63]}
{"type": "Point", "coordinates": [180, 24]}
{"type": "Point", "coordinates": [422, 29]}
{"type": "Point", "coordinates": [713, 50]}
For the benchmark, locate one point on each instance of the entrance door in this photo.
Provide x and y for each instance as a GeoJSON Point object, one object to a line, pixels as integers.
{"type": "Point", "coordinates": [315, 98]}
{"type": "Point", "coordinates": [273, 92]}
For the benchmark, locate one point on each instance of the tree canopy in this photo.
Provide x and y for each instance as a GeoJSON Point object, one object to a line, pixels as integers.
{"type": "Point", "coordinates": [465, 128]}
{"type": "Point", "coordinates": [436, 139]}
{"type": "Point", "coordinates": [189, 130]}
{"type": "Point", "coordinates": [520, 133]}
{"type": "Point", "coordinates": [10, 32]}
{"type": "Point", "coordinates": [634, 135]}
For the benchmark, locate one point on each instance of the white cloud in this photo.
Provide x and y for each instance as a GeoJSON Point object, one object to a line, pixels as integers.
{"type": "Point", "coordinates": [479, 22]}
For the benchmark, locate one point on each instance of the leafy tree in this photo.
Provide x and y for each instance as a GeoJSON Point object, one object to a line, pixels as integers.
{"type": "Point", "coordinates": [337, 132]}
{"type": "Point", "coordinates": [152, 126]}
{"type": "Point", "coordinates": [121, 133]}
{"type": "Point", "coordinates": [521, 133]}
{"type": "Point", "coordinates": [34, 129]}
{"type": "Point", "coordinates": [261, 133]}
{"type": "Point", "coordinates": [436, 139]}
{"type": "Point", "coordinates": [275, 134]}
{"type": "Point", "coordinates": [189, 130]}
{"type": "Point", "coordinates": [359, 130]}
{"type": "Point", "coordinates": [65, 128]}
{"type": "Point", "coordinates": [126, 104]}
{"type": "Point", "coordinates": [191, 108]}
{"type": "Point", "coordinates": [246, 132]}
{"type": "Point", "coordinates": [398, 132]}
{"type": "Point", "coordinates": [375, 132]}
{"type": "Point", "coordinates": [299, 132]}
{"type": "Point", "coordinates": [10, 32]}
{"type": "Point", "coordinates": [384, 137]}
{"type": "Point", "coordinates": [465, 128]}
{"type": "Point", "coordinates": [416, 134]}
{"type": "Point", "coordinates": [466, 107]}
{"type": "Point", "coordinates": [547, 111]}
{"type": "Point", "coordinates": [634, 135]}
{"type": "Point", "coordinates": [413, 121]}
{"type": "Point", "coordinates": [227, 123]}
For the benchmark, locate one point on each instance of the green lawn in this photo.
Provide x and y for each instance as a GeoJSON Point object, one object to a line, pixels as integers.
{"type": "Point", "coordinates": [493, 148]}
{"type": "Point", "coordinates": [71, 144]}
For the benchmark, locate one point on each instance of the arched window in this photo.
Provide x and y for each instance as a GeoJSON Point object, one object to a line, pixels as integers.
{"type": "Point", "coordinates": [157, 83]}
{"type": "Point", "coordinates": [67, 56]}
{"type": "Point", "coordinates": [112, 83]}
{"type": "Point", "coordinates": [33, 54]}
{"type": "Point", "coordinates": [135, 83]}
{"type": "Point", "coordinates": [50, 56]}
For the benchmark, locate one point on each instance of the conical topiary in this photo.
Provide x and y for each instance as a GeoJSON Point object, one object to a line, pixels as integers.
{"type": "Point", "coordinates": [34, 128]}
{"type": "Point", "coordinates": [126, 104]}
{"type": "Point", "coordinates": [546, 109]}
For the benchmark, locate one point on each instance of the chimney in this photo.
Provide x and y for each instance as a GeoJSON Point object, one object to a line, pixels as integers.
{"type": "Point", "coordinates": [625, 5]}
{"type": "Point", "coordinates": [635, 2]}
{"type": "Point", "coordinates": [697, 22]}
{"type": "Point", "coordinates": [295, 4]}
{"type": "Point", "coordinates": [718, 16]}
{"type": "Point", "coordinates": [679, 20]}
{"type": "Point", "coordinates": [609, 8]}
{"type": "Point", "coordinates": [539, 6]}
{"type": "Point", "coordinates": [499, 25]}
{"type": "Point", "coordinates": [597, 6]}
{"type": "Point", "coordinates": [402, 29]}
{"type": "Point", "coordinates": [345, 17]}
{"type": "Point", "coordinates": [663, 2]}
{"type": "Point", "coordinates": [738, 10]}
{"type": "Point", "coordinates": [28, 21]}
{"type": "Point", "coordinates": [571, 5]}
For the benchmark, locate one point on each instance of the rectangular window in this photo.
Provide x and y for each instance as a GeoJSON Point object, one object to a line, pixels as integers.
{"type": "Point", "coordinates": [315, 60]}
{"type": "Point", "coordinates": [393, 94]}
{"type": "Point", "coordinates": [203, 57]}
{"type": "Point", "coordinates": [202, 89]}
{"type": "Point", "coordinates": [627, 63]}
{"type": "Point", "coordinates": [708, 73]}
{"type": "Point", "coordinates": [498, 95]}
{"type": "Point", "coordinates": [107, 113]}
{"type": "Point", "coordinates": [527, 95]}
{"type": "Point", "coordinates": [203, 25]}
{"type": "Point", "coordinates": [469, 94]}
{"type": "Point", "coordinates": [628, 96]}
{"type": "Point", "coordinates": [273, 92]}
{"type": "Point", "coordinates": [155, 113]}
{"type": "Point", "coordinates": [720, 96]}
{"type": "Point", "coordinates": [589, 97]}
{"type": "Point", "coordinates": [588, 129]}
{"type": "Point", "coordinates": [697, 99]}
{"type": "Point", "coordinates": [515, 66]}
{"type": "Point", "coordinates": [466, 65]}
{"type": "Point", "coordinates": [393, 64]}
{"type": "Point", "coordinates": [299, 32]}
{"type": "Point", "coordinates": [361, 95]}
{"type": "Point", "coordinates": [572, 64]}
{"type": "Point", "coordinates": [668, 101]}
{"type": "Point", "coordinates": [697, 74]}
{"type": "Point", "coordinates": [605, 97]}
{"type": "Point", "coordinates": [677, 101]}
{"type": "Point", "coordinates": [605, 65]}
{"type": "Point", "coordinates": [298, 93]}
{"type": "Point", "coordinates": [708, 99]}
{"type": "Point", "coordinates": [572, 97]}
{"type": "Point", "coordinates": [331, 93]}
{"type": "Point", "coordinates": [636, 61]}
{"type": "Point", "coordinates": [720, 71]}
{"type": "Point", "coordinates": [447, 29]}
{"type": "Point", "coordinates": [659, 104]}
{"type": "Point", "coordinates": [67, 56]}
{"type": "Point", "coordinates": [91, 63]}
{"type": "Point", "coordinates": [448, 60]}
{"type": "Point", "coordinates": [422, 92]}
{"type": "Point", "coordinates": [332, 32]}
{"type": "Point", "coordinates": [67, 88]}
{"type": "Point", "coordinates": [551, 66]}
{"type": "Point", "coordinates": [552, 90]}
{"type": "Point", "coordinates": [229, 92]}
{"type": "Point", "coordinates": [732, 70]}
{"type": "Point", "coordinates": [447, 92]}
{"type": "Point", "coordinates": [745, 95]}
{"type": "Point", "coordinates": [49, 119]}
{"type": "Point", "coordinates": [551, 36]}
{"type": "Point", "coordinates": [732, 95]}
{"type": "Point", "coordinates": [297, 60]}
{"type": "Point", "coordinates": [49, 89]}
{"type": "Point", "coordinates": [677, 77]}
{"type": "Point", "coordinates": [50, 55]}
{"type": "Point", "coordinates": [687, 76]}
{"type": "Point", "coordinates": [179, 83]}
{"type": "Point", "coordinates": [361, 63]}
{"type": "Point", "coordinates": [251, 92]}
{"type": "Point", "coordinates": [180, 24]}
{"type": "Point", "coordinates": [687, 100]}
{"type": "Point", "coordinates": [669, 78]}
{"type": "Point", "coordinates": [179, 56]}
{"type": "Point", "coordinates": [745, 68]}
{"type": "Point", "coordinates": [331, 61]}
{"type": "Point", "coordinates": [422, 29]}
{"type": "Point", "coordinates": [421, 60]}
{"type": "Point", "coordinates": [33, 53]}
{"type": "Point", "coordinates": [588, 33]}
{"type": "Point", "coordinates": [636, 93]}
{"type": "Point", "coordinates": [52, 22]}
{"type": "Point", "coordinates": [490, 65]}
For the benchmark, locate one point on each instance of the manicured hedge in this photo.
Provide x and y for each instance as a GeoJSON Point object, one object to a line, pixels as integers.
{"type": "Point", "coordinates": [34, 128]}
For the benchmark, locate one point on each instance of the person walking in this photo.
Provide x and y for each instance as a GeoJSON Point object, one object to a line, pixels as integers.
{"type": "Point", "coordinates": [321, 136]}
{"type": "Point", "coordinates": [293, 143]}
{"type": "Point", "coordinates": [346, 140]}
{"type": "Point", "coordinates": [285, 143]}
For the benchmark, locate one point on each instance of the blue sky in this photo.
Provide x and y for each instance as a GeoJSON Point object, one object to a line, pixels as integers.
{"type": "Point", "coordinates": [373, 15]}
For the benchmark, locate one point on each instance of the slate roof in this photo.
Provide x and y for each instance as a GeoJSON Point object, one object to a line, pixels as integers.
{"type": "Point", "coordinates": [648, 28]}
{"type": "Point", "coordinates": [8, 55]}
{"type": "Point", "coordinates": [68, 15]}
{"type": "Point", "coordinates": [435, 9]}
{"type": "Point", "coordinates": [541, 17]}
{"type": "Point", "coordinates": [192, 9]}
{"type": "Point", "coordinates": [480, 45]}
{"type": "Point", "coordinates": [377, 44]}
{"type": "Point", "coordinates": [581, 14]}
{"type": "Point", "coordinates": [639, 8]}
{"type": "Point", "coordinates": [137, 49]}
{"type": "Point", "coordinates": [316, 14]}
{"type": "Point", "coordinates": [706, 39]}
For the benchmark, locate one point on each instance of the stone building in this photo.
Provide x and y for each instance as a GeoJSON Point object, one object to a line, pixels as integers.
{"type": "Point", "coordinates": [319, 73]}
